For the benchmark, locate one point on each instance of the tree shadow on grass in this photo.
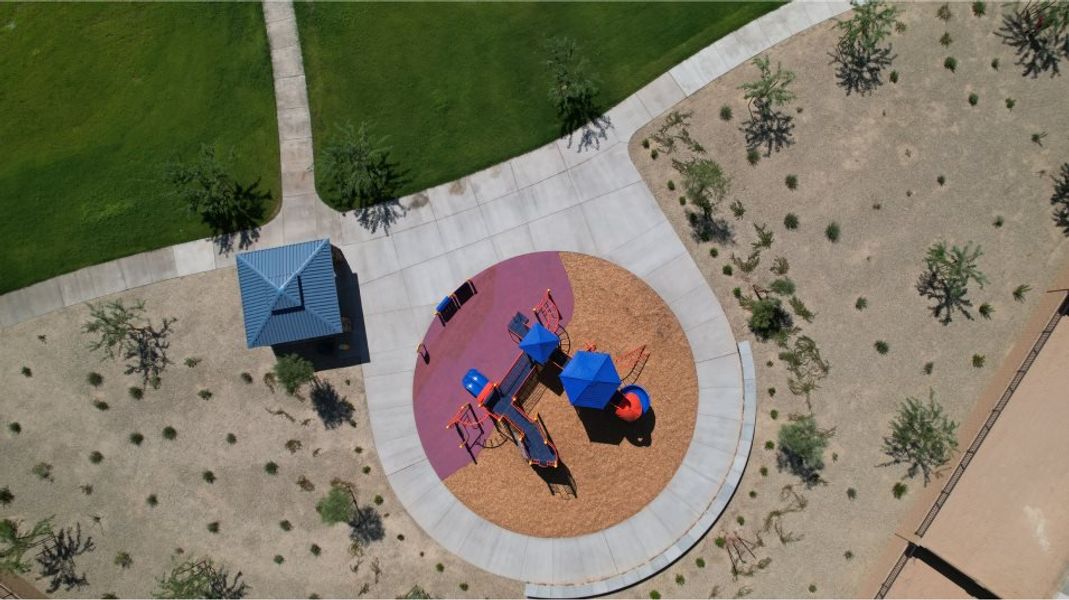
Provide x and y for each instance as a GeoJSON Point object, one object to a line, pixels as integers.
{"type": "Point", "coordinates": [241, 228]}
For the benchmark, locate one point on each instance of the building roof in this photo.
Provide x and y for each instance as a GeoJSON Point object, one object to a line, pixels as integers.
{"type": "Point", "coordinates": [288, 293]}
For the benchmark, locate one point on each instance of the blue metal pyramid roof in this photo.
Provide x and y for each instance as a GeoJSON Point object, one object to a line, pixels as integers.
{"type": "Point", "coordinates": [590, 379]}
{"type": "Point", "coordinates": [288, 293]}
{"type": "Point", "coordinates": [539, 343]}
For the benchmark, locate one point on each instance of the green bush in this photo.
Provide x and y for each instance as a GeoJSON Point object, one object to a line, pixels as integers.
{"type": "Point", "coordinates": [246, 377]}
{"type": "Point", "coordinates": [94, 379]}
{"type": "Point", "coordinates": [123, 560]}
{"type": "Point", "coordinates": [973, 99]}
{"type": "Point", "coordinates": [740, 520]}
{"type": "Point", "coordinates": [377, 500]}
{"type": "Point", "coordinates": [231, 439]}
{"type": "Point", "coordinates": [713, 252]}
{"type": "Point", "coordinates": [861, 303]}
{"type": "Point", "coordinates": [770, 445]}
{"type": "Point", "coordinates": [943, 13]}
{"type": "Point", "coordinates": [1020, 291]}
{"type": "Point", "coordinates": [292, 372]}
{"type": "Point", "coordinates": [135, 392]}
{"type": "Point", "coordinates": [152, 500]}
{"type": "Point", "coordinates": [1010, 103]}
{"type": "Point", "coordinates": [27, 372]}
{"type": "Point", "coordinates": [208, 476]}
{"type": "Point", "coordinates": [945, 39]}
{"type": "Point", "coordinates": [894, 76]}
{"type": "Point", "coordinates": [767, 318]}
{"type": "Point", "coordinates": [727, 270]}
{"type": "Point", "coordinates": [96, 457]}
{"type": "Point", "coordinates": [951, 64]}
{"type": "Point", "coordinates": [792, 182]}
{"type": "Point", "coordinates": [100, 405]}
{"type": "Point", "coordinates": [700, 562]}
{"type": "Point", "coordinates": [812, 589]}
{"type": "Point", "coordinates": [753, 156]}
{"type": "Point", "coordinates": [6, 497]}
{"type": "Point", "coordinates": [336, 506]}
{"type": "Point", "coordinates": [14, 427]}
{"type": "Point", "coordinates": [136, 439]}
{"type": "Point", "coordinates": [725, 113]}
{"type": "Point", "coordinates": [928, 366]}
{"type": "Point", "coordinates": [998, 222]}
{"type": "Point", "coordinates": [979, 8]}
{"type": "Point", "coordinates": [463, 587]}
{"type": "Point", "coordinates": [790, 221]}
{"type": "Point", "coordinates": [680, 579]}
{"type": "Point", "coordinates": [271, 468]}
{"type": "Point", "coordinates": [782, 286]}
{"type": "Point", "coordinates": [671, 185]}
{"type": "Point", "coordinates": [285, 525]}
{"type": "Point", "coordinates": [655, 595]}
{"type": "Point", "coordinates": [763, 471]}
{"type": "Point", "coordinates": [42, 470]}
{"type": "Point", "coordinates": [848, 555]}
{"type": "Point", "coordinates": [720, 541]}
{"type": "Point", "coordinates": [986, 310]}
{"type": "Point", "coordinates": [978, 360]}
{"type": "Point", "coordinates": [898, 490]}
{"type": "Point", "coordinates": [205, 394]}
{"type": "Point", "coordinates": [801, 446]}
{"type": "Point", "coordinates": [881, 346]}
{"type": "Point", "coordinates": [774, 414]}
{"type": "Point", "coordinates": [832, 232]}
{"type": "Point", "coordinates": [279, 559]}
{"type": "Point", "coordinates": [366, 469]}
{"type": "Point", "coordinates": [169, 433]}
{"type": "Point", "coordinates": [851, 493]}
{"type": "Point", "coordinates": [994, 64]}
{"type": "Point", "coordinates": [315, 550]}
{"type": "Point", "coordinates": [439, 567]}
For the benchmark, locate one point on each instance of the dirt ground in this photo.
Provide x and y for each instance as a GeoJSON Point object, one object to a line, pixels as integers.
{"type": "Point", "coordinates": [60, 426]}
{"type": "Point", "coordinates": [617, 469]}
{"type": "Point", "coordinates": [871, 164]}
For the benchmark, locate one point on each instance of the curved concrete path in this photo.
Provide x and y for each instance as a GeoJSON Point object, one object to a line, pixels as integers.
{"type": "Point", "coordinates": [554, 198]}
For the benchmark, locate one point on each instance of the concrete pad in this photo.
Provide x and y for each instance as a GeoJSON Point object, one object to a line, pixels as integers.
{"type": "Point", "coordinates": [753, 40]}
{"type": "Point", "coordinates": [723, 403]}
{"type": "Point", "coordinates": [453, 526]}
{"type": "Point", "coordinates": [507, 212]}
{"type": "Point", "coordinates": [774, 27]}
{"type": "Point", "coordinates": [676, 516]}
{"type": "Point", "coordinates": [463, 229]}
{"type": "Point", "coordinates": [549, 196]}
{"type": "Point", "coordinates": [294, 124]}
{"type": "Point", "coordinates": [390, 393]}
{"type": "Point", "coordinates": [493, 183]}
{"type": "Point", "coordinates": [513, 242]}
{"type": "Point", "coordinates": [610, 170]}
{"type": "Point", "coordinates": [661, 94]}
{"type": "Point", "coordinates": [291, 93]}
{"type": "Point", "coordinates": [29, 302]}
{"type": "Point", "coordinates": [297, 155]}
{"type": "Point", "coordinates": [617, 218]}
{"type": "Point", "coordinates": [430, 281]}
{"type": "Point", "coordinates": [372, 259]}
{"type": "Point", "coordinates": [649, 251]}
{"type": "Point", "coordinates": [390, 362]}
{"type": "Point", "coordinates": [197, 256]}
{"type": "Point", "coordinates": [692, 488]}
{"type": "Point", "coordinates": [225, 259]}
{"type": "Point", "coordinates": [565, 230]}
{"type": "Point", "coordinates": [697, 71]}
{"type": "Point", "coordinates": [286, 62]}
{"type": "Point", "coordinates": [696, 307]}
{"type": "Point", "coordinates": [385, 294]}
{"type": "Point", "coordinates": [400, 451]}
{"type": "Point", "coordinates": [417, 487]}
{"type": "Point", "coordinates": [719, 372]}
{"type": "Point", "coordinates": [282, 34]}
{"type": "Point", "coordinates": [711, 339]}
{"type": "Point", "coordinates": [794, 17]}
{"type": "Point", "coordinates": [148, 267]}
{"type": "Point", "coordinates": [91, 283]}
{"type": "Point", "coordinates": [299, 224]}
{"type": "Point", "coordinates": [418, 244]}
{"type": "Point", "coordinates": [391, 331]}
{"type": "Point", "coordinates": [676, 278]}
{"type": "Point", "coordinates": [628, 117]}
{"type": "Point", "coordinates": [277, 10]}
{"type": "Point", "coordinates": [538, 560]}
{"type": "Point", "coordinates": [537, 165]}
{"type": "Point", "coordinates": [451, 198]}
{"type": "Point", "coordinates": [416, 210]}
{"type": "Point", "coordinates": [470, 260]}
{"type": "Point", "coordinates": [734, 51]}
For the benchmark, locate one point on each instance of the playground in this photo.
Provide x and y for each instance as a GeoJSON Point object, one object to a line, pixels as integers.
{"type": "Point", "coordinates": [555, 394]}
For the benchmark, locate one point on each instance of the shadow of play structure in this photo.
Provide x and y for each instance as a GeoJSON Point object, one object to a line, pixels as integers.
{"type": "Point", "coordinates": [589, 379]}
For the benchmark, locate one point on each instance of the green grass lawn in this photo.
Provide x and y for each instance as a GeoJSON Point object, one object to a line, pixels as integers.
{"type": "Point", "coordinates": [95, 99]}
{"type": "Point", "coordinates": [457, 87]}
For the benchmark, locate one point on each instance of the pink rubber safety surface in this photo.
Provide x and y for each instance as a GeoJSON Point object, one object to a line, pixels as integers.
{"type": "Point", "coordinates": [477, 337]}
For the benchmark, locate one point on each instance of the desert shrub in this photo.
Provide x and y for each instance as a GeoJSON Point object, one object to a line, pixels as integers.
{"type": "Point", "coordinates": [682, 201]}
{"type": "Point", "coordinates": [973, 100]}
{"type": "Point", "coordinates": [773, 413]}
{"type": "Point", "coordinates": [205, 394]}
{"type": "Point", "coordinates": [279, 559]}
{"type": "Point", "coordinates": [780, 266]}
{"type": "Point", "coordinates": [881, 346]}
{"type": "Point", "coordinates": [293, 446]}
{"type": "Point", "coordinates": [136, 439]}
{"type": "Point", "coordinates": [851, 493]}
{"type": "Point", "coordinates": [753, 494]}
{"type": "Point", "coordinates": [986, 310]}
{"type": "Point", "coordinates": [738, 209]}
{"type": "Point", "coordinates": [152, 500]}
{"type": "Point", "coordinates": [994, 64]}
{"type": "Point", "coordinates": [1020, 291]}
{"type": "Point", "coordinates": [767, 125]}
{"type": "Point", "coordinates": [898, 490]}
{"type": "Point", "coordinates": [101, 405]}
{"type": "Point", "coordinates": [169, 433]}
{"type": "Point", "coordinates": [979, 8]}
{"type": "Point", "coordinates": [782, 286]}
{"type": "Point", "coordinates": [922, 436]}
{"type": "Point", "coordinates": [94, 379]}
{"type": "Point", "coordinates": [998, 222]}
{"type": "Point", "coordinates": [336, 507]}
{"type": "Point", "coordinates": [96, 457]}
{"type": "Point", "coordinates": [1010, 103]}
{"type": "Point", "coordinates": [805, 366]}
{"type": "Point", "coordinates": [285, 525]}
{"type": "Point", "coordinates": [671, 185]}
{"type": "Point", "coordinates": [42, 470]}
{"type": "Point", "coordinates": [945, 39]}
{"type": "Point", "coordinates": [14, 427]}
{"type": "Point", "coordinates": [812, 589]}
{"type": "Point", "coordinates": [767, 317]}
{"type": "Point", "coordinates": [748, 264]}
{"type": "Point", "coordinates": [246, 377]}
{"type": "Point", "coordinates": [135, 392]}
{"type": "Point", "coordinates": [978, 360]}
{"type": "Point", "coordinates": [727, 270]}
{"type": "Point", "coordinates": [200, 578]}
{"type": "Point", "coordinates": [680, 579]}
{"type": "Point", "coordinates": [654, 154]}
{"type": "Point", "coordinates": [27, 372]}
{"type": "Point", "coordinates": [950, 64]}
{"type": "Point", "coordinates": [792, 182]}
{"type": "Point", "coordinates": [790, 221]}
{"type": "Point", "coordinates": [713, 252]}
{"type": "Point", "coordinates": [848, 555]}
{"type": "Point", "coordinates": [948, 272]}
{"type": "Point", "coordinates": [943, 12]}
{"type": "Point", "coordinates": [725, 113]}
{"type": "Point", "coordinates": [1037, 138]}
{"type": "Point", "coordinates": [832, 232]}
{"type": "Point", "coordinates": [765, 237]}
{"type": "Point", "coordinates": [463, 586]}
{"type": "Point", "coordinates": [893, 76]}
{"type": "Point", "coordinates": [377, 500]}
{"type": "Point", "coordinates": [6, 497]}
{"type": "Point", "coordinates": [366, 469]}
{"type": "Point", "coordinates": [655, 595]}
{"type": "Point", "coordinates": [231, 439]}
{"type": "Point", "coordinates": [770, 445]}
{"type": "Point", "coordinates": [439, 567]}
{"type": "Point", "coordinates": [123, 560]}
{"type": "Point", "coordinates": [720, 542]}
{"type": "Point", "coordinates": [315, 550]}
{"type": "Point", "coordinates": [928, 367]}
{"type": "Point", "coordinates": [753, 156]}
{"type": "Point", "coordinates": [292, 372]}
{"type": "Point", "coordinates": [740, 520]}
{"type": "Point", "coordinates": [861, 303]}
{"type": "Point", "coordinates": [801, 448]}
{"type": "Point", "coordinates": [208, 476]}
{"type": "Point", "coordinates": [705, 186]}
{"type": "Point", "coordinates": [271, 468]}
{"type": "Point", "coordinates": [192, 361]}
{"type": "Point", "coordinates": [699, 562]}
{"type": "Point", "coordinates": [763, 471]}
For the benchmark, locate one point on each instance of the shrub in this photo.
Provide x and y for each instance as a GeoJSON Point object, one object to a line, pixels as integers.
{"type": "Point", "coordinates": [208, 476]}
{"type": "Point", "coordinates": [736, 292]}
{"type": "Point", "coordinates": [782, 286]}
{"type": "Point", "coordinates": [770, 445]}
{"type": "Point", "coordinates": [463, 587]}
{"type": "Point", "coordinates": [725, 113]}
{"type": "Point", "coordinates": [136, 439]}
{"type": "Point", "coordinates": [812, 589]}
{"type": "Point", "coordinates": [973, 100]}
{"type": "Point", "coordinates": [682, 201]}
{"type": "Point", "coordinates": [100, 405]}
{"type": "Point", "coordinates": [763, 471]}
{"type": "Point", "coordinates": [998, 222]}
{"type": "Point", "coordinates": [802, 446]}
{"type": "Point", "coordinates": [994, 64]}
{"type": "Point", "coordinates": [1010, 103]}
{"type": "Point", "coordinates": [727, 270]}
{"type": "Point", "coordinates": [881, 346]}
{"type": "Point", "coordinates": [169, 433]}
{"type": "Point", "coordinates": [767, 318]}
{"type": "Point", "coordinates": [899, 490]}
{"type": "Point", "coordinates": [246, 377]}
{"type": "Point", "coordinates": [377, 500]}
{"type": "Point", "coordinates": [978, 360]}
{"type": "Point", "coordinates": [894, 76]}
{"type": "Point", "coordinates": [700, 562]}
{"type": "Point", "coordinates": [231, 439]}
{"type": "Point", "coordinates": [780, 266]}
{"type": "Point", "coordinates": [945, 39]}
{"type": "Point", "coordinates": [753, 156]}
{"type": "Point", "coordinates": [285, 525]}
{"type": "Point", "coordinates": [921, 436]}
{"type": "Point", "coordinates": [279, 559]}
{"type": "Point", "coordinates": [27, 372]}
{"type": "Point", "coordinates": [738, 210]}
{"type": "Point", "coordinates": [941, 180]}
{"type": "Point", "coordinates": [14, 427]}
{"type": "Point", "coordinates": [713, 252]}
{"type": "Point", "coordinates": [1037, 138]}
{"type": "Point", "coordinates": [366, 469]}
{"type": "Point", "coordinates": [986, 310]}
{"type": "Point", "coordinates": [42, 470]}
{"type": "Point", "coordinates": [336, 506]}
{"type": "Point", "coordinates": [848, 555]}
{"type": "Point", "coordinates": [87, 489]}
{"type": "Point", "coordinates": [861, 303]}
{"type": "Point", "coordinates": [792, 182]}
{"type": "Point", "coordinates": [948, 272]}
{"type": "Point", "coordinates": [943, 12]}
{"type": "Point", "coordinates": [720, 542]}
{"type": "Point", "coordinates": [205, 394]}
{"type": "Point", "coordinates": [655, 595]}
{"type": "Point", "coordinates": [96, 457]}
{"type": "Point", "coordinates": [851, 493]}
{"type": "Point", "coordinates": [654, 154]}
{"type": "Point", "coordinates": [6, 497]}
{"type": "Point", "coordinates": [790, 221]}
{"type": "Point", "coordinates": [951, 64]}
{"type": "Point", "coordinates": [773, 413]}
{"type": "Point", "coordinates": [135, 392]}
{"type": "Point", "coordinates": [832, 232]}
{"type": "Point", "coordinates": [740, 520]}
{"type": "Point", "coordinates": [292, 372]}
{"type": "Point", "coordinates": [315, 550]}
{"type": "Point", "coordinates": [979, 8]}
{"type": "Point", "coordinates": [1020, 291]}
{"type": "Point", "coordinates": [94, 379]}
{"type": "Point", "coordinates": [123, 560]}
{"type": "Point", "coordinates": [671, 185]}
{"type": "Point", "coordinates": [646, 143]}
{"type": "Point", "coordinates": [680, 579]}
{"type": "Point", "coordinates": [271, 468]}
{"type": "Point", "coordinates": [439, 567]}
{"type": "Point", "coordinates": [928, 367]}
{"type": "Point", "coordinates": [192, 361]}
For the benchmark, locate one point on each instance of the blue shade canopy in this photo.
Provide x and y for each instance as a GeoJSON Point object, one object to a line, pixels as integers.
{"type": "Point", "coordinates": [539, 343]}
{"type": "Point", "coordinates": [590, 379]}
{"type": "Point", "coordinates": [288, 293]}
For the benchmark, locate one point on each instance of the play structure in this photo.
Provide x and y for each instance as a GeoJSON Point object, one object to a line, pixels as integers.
{"type": "Point", "coordinates": [589, 379]}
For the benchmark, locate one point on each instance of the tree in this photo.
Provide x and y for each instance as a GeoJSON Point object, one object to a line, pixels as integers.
{"type": "Point", "coordinates": [921, 436]}
{"type": "Point", "coordinates": [200, 579]}
{"type": "Point", "coordinates": [767, 126]}
{"type": "Point", "coordinates": [57, 559]}
{"type": "Point", "coordinates": [293, 371]}
{"type": "Point", "coordinates": [573, 91]}
{"type": "Point", "coordinates": [801, 448]}
{"type": "Point", "coordinates": [768, 319]}
{"type": "Point", "coordinates": [122, 331]}
{"type": "Point", "coordinates": [357, 172]}
{"type": "Point", "coordinates": [859, 56]}
{"type": "Point", "coordinates": [805, 366]}
{"type": "Point", "coordinates": [946, 280]}
{"type": "Point", "coordinates": [1060, 198]}
{"type": "Point", "coordinates": [14, 544]}
{"type": "Point", "coordinates": [338, 506]}
{"type": "Point", "coordinates": [207, 186]}
{"type": "Point", "coordinates": [1039, 33]}
{"type": "Point", "coordinates": [705, 185]}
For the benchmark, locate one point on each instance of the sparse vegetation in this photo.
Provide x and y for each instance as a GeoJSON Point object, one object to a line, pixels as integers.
{"type": "Point", "coordinates": [832, 232]}
{"type": "Point", "coordinates": [96, 457]}
{"type": "Point", "coordinates": [922, 437]}
{"type": "Point", "coordinates": [949, 271]}
{"type": "Point", "coordinates": [292, 372]}
{"type": "Point", "coordinates": [898, 490]}
{"type": "Point", "coordinates": [136, 439]}
{"type": "Point", "coordinates": [169, 433]}
{"type": "Point", "coordinates": [978, 360]}
{"type": "Point", "coordinates": [725, 113]}
{"type": "Point", "coordinates": [950, 64]}
{"type": "Point", "coordinates": [135, 392]}
{"type": "Point", "coordinates": [882, 347]}
{"type": "Point", "coordinates": [801, 448]}
{"type": "Point", "coordinates": [94, 379]}
{"type": "Point", "coordinates": [1020, 291]}
{"type": "Point", "coordinates": [790, 221]}
{"type": "Point", "coordinates": [791, 182]}
{"type": "Point", "coordinates": [861, 303]}
{"type": "Point", "coordinates": [271, 468]}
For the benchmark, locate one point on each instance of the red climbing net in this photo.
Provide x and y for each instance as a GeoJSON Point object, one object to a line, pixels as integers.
{"type": "Point", "coordinates": [547, 312]}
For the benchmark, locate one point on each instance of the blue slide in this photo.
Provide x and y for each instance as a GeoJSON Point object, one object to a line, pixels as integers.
{"type": "Point", "coordinates": [536, 446]}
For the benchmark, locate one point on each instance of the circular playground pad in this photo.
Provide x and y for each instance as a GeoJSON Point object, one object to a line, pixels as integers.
{"type": "Point", "coordinates": [520, 442]}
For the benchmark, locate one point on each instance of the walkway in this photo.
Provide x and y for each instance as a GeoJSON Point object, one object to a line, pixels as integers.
{"type": "Point", "coordinates": [553, 198]}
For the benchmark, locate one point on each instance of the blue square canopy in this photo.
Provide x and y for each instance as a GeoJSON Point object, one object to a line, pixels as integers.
{"type": "Point", "coordinates": [288, 293]}
{"type": "Point", "coordinates": [590, 379]}
{"type": "Point", "coordinates": [539, 343]}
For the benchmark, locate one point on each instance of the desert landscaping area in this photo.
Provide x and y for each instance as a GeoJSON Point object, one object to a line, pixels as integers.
{"type": "Point", "coordinates": [770, 301]}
